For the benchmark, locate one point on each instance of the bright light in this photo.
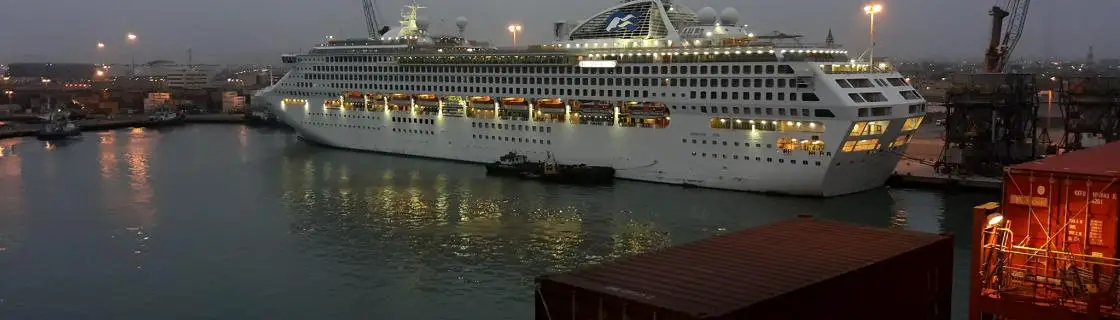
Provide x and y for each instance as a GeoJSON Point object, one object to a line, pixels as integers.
{"type": "Point", "coordinates": [100, 73]}
{"type": "Point", "coordinates": [131, 36]}
{"type": "Point", "coordinates": [45, 80]}
{"type": "Point", "coordinates": [598, 64]}
{"type": "Point", "coordinates": [514, 28]}
{"type": "Point", "coordinates": [873, 8]}
{"type": "Point", "coordinates": [9, 92]}
{"type": "Point", "coordinates": [994, 219]}
{"type": "Point", "coordinates": [100, 45]}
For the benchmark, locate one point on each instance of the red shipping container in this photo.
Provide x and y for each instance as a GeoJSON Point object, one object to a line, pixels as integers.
{"type": "Point", "coordinates": [797, 269]}
{"type": "Point", "coordinates": [1066, 203]}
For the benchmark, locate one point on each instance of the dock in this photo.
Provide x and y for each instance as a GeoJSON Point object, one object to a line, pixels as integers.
{"type": "Point", "coordinates": [914, 170]}
{"type": "Point", "coordinates": [16, 130]}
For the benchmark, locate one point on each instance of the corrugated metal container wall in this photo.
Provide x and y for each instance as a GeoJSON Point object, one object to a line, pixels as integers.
{"type": "Point", "coordinates": [1065, 212]}
{"type": "Point", "coordinates": [1067, 202]}
{"type": "Point", "coordinates": [820, 275]}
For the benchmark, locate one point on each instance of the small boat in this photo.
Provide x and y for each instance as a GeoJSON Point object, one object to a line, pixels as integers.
{"type": "Point", "coordinates": [575, 174]}
{"type": "Point", "coordinates": [513, 164]}
{"type": "Point", "coordinates": [58, 127]}
{"type": "Point", "coordinates": [260, 117]}
{"type": "Point", "coordinates": [164, 116]}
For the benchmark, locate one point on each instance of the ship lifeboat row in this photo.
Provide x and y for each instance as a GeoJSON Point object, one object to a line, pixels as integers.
{"type": "Point", "coordinates": [454, 104]}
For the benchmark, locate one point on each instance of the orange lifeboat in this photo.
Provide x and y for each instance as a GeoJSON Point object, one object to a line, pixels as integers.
{"type": "Point", "coordinates": [594, 107]}
{"type": "Point", "coordinates": [647, 110]}
{"type": "Point", "coordinates": [514, 103]}
{"type": "Point", "coordinates": [400, 97]}
{"type": "Point", "coordinates": [427, 100]}
{"type": "Point", "coordinates": [552, 105]}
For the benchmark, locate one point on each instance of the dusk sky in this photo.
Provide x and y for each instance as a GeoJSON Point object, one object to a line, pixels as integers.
{"type": "Point", "coordinates": [257, 31]}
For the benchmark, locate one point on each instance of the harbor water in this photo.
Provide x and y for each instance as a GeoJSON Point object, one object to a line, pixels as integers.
{"type": "Point", "coordinates": [231, 222]}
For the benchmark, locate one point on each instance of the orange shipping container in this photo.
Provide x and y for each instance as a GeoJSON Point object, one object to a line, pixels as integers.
{"type": "Point", "coordinates": [1066, 203]}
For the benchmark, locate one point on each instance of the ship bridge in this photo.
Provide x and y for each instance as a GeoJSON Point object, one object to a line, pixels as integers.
{"type": "Point", "coordinates": [636, 19]}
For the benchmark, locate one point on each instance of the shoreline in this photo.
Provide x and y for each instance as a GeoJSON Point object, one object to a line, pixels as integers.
{"type": "Point", "coordinates": [21, 130]}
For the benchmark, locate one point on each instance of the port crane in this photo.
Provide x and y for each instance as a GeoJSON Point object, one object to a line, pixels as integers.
{"type": "Point", "coordinates": [1014, 13]}
{"type": "Point", "coordinates": [370, 9]}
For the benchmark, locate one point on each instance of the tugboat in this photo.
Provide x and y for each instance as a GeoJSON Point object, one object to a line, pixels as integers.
{"type": "Point", "coordinates": [164, 116]}
{"type": "Point", "coordinates": [260, 117]}
{"type": "Point", "coordinates": [510, 165]}
{"type": "Point", "coordinates": [575, 174]}
{"type": "Point", "coordinates": [513, 164]}
{"type": "Point", "coordinates": [58, 127]}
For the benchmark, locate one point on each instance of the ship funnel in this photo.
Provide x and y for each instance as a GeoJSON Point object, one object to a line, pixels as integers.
{"type": "Point", "coordinates": [560, 30]}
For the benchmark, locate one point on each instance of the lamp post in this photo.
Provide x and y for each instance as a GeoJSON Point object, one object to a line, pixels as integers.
{"type": "Point", "coordinates": [514, 29]}
{"type": "Point", "coordinates": [871, 10]}
{"type": "Point", "coordinates": [9, 94]}
{"type": "Point", "coordinates": [100, 55]}
{"type": "Point", "coordinates": [131, 39]}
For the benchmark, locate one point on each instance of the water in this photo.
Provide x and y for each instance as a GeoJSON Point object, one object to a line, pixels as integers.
{"type": "Point", "coordinates": [222, 221]}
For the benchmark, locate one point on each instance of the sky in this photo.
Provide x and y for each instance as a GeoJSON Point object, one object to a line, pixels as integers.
{"type": "Point", "coordinates": [258, 31]}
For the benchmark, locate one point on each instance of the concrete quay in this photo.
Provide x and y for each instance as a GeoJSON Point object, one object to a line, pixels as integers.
{"type": "Point", "coordinates": [15, 130]}
{"type": "Point", "coordinates": [915, 169]}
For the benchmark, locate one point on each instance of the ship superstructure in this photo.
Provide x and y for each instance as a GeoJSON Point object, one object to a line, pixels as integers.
{"type": "Point", "coordinates": [648, 87]}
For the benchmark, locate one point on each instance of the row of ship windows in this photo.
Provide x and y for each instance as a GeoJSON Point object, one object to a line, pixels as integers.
{"type": "Point", "coordinates": [703, 70]}
{"type": "Point", "coordinates": [756, 159]}
{"type": "Point", "coordinates": [801, 82]}
{"type": "Point", "coordinates": [340, 125]}
{"type": "Point", "coordinates": [757, 96]}
{"type": "Point", "coordinates": [793, 112]}
{"type": "Point", "coordinates": [338, 115]}
{"type": "Point", "coordinates": [511, 139]}
{"type": "Point", "coordinates": [414, 131]}
{"type": "Point", "coordinates": [505, 126]}
{"type": "Point", "coordinates": [816, 150]}
{"type": "Point", "coordinates": [865, 83]}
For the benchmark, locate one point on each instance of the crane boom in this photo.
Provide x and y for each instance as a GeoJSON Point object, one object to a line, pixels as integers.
{"type": "Point", "coordinates": [371, 18]}
{"type": "Point", "coordinates": [999, 50]}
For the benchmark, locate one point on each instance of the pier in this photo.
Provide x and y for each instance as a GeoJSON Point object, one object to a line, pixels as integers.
{"type": "Point", "coordinates": [15, 127]}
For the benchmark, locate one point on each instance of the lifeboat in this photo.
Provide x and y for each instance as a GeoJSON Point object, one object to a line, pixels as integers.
{"type": "Point", "coordinates": [481, 99]}
{"type": "Point", "coordinates": [354, 99]}
{"type": "Point", "coordinates": [647, 110]}
{"type": "Point", "coordinates": [400, 97]}
{"type": "Point", "coordinates": [551, 105]}
{"type": "Point", "coordinates": [514, 103]}
{"type": "Point", "coordinates": [427, 100]}
{"type": "Point", "coordinates": [593, 107]}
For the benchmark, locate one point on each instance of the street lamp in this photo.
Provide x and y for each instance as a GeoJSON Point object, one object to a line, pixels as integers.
{"type": "Point", "coordinates": [871, 10]}
{"type": "Point", "coordinates": [514, 29]}
{"type": "Point", "coordinates": [9, 94]}
{"type": "Point", "coordinates": [100, 49]}
{"type": "Point", "coordinates": [131, 39]}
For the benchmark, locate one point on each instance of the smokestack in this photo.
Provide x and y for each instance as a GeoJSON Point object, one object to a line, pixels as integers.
{"type": "Point", "coordinates": [560, 30]}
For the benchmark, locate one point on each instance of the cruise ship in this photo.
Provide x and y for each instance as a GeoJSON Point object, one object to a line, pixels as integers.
{"type": "Point", "coordinates": [651, 88]}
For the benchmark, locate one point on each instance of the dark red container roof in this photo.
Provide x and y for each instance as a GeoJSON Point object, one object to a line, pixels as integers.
{"type": "Point", "coordinates": [727, 273]}
{"type": "Point", "coordinates": [1097, 161]}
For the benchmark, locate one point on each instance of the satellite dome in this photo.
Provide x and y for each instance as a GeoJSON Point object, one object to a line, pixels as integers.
{"type": "Point", "coordinates": [461, 22]}
{"type": "Point", "coordinates": [707, 16]}
{"type": "Point", "coordinates": [729, 17]}
{"type": "Point", "coordinates": [422, 22]}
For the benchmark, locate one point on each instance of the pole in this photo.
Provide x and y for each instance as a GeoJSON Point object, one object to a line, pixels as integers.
{"type": "Point", "coordinates": [872, 53]}
{"type": "Point", "coordinates": [515, 38]}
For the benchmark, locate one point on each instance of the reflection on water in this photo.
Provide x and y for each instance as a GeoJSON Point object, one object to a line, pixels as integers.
{"type": "Point", "coordinates": [291, 231]}
{"type": "Point", "coordinates": [450, 230]}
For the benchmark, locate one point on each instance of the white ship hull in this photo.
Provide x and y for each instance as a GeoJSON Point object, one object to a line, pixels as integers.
{"type": "Point", "coordinates": [644, 154]}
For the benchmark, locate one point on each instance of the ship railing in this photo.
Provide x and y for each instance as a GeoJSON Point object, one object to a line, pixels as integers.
{"type": "Point", "coordinates": [1048, 277]}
